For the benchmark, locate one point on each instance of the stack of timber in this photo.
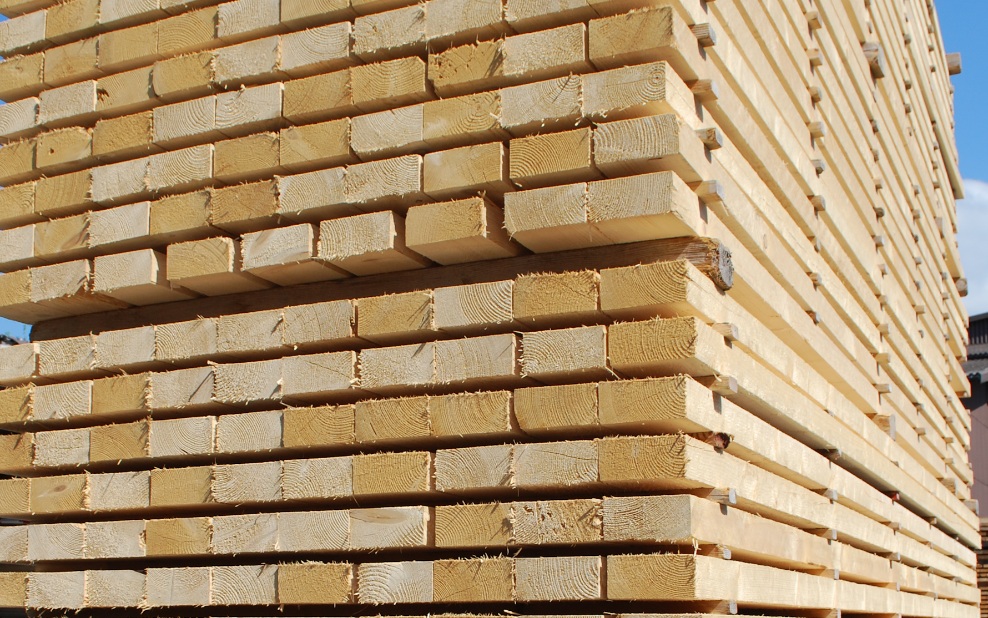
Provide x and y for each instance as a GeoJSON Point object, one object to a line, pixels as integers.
{"type": "Point", "coordinates": [482, 307]}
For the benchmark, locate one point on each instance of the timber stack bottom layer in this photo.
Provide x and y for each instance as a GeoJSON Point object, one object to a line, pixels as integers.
{"type": "Point", "coordinates": [482, 307]}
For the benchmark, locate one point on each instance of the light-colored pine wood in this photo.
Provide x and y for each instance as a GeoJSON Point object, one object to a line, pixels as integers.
{"type": "Point", "coordinates": [120, 228]}
{"type": "Point", "coordinates": [318, 323]}
{"type": "Point", "coordinates": [18, 451]}
{"type": "Point", "coordinates": [129, 347]}
{"type": "Point", "coordinates": [124, 93]}
{"type": "Point", "coordinates": [124, 136]}
{"type": "Point", "coordinates": [558, 521]}
{"type": "Point", "coordinates": [320, 97]}
{"type": "Point", "coordinates": [180, 437]}
{"type": "Point", "coordinates": [16, 496]}
{"type": "Point", "coordinates": [244, 111]}
{"type": "Point", "coordinates": [17, 203]}
{"type": "Point", "coordinates": [245, 18]}
{"type": "Point", "coordinates": [390, 33]}
{"type": "Point", "coordinates": [60, 149]}
{"type": "Point", "coordinates": [367, 244]}
{"type": "Point", "coordinates": [67, 63]}
{"type": "Point", "coordinates": [178, 587]}
{"type": "Point", "coordinates": [317, 478]}
{"type": "Point", "coordinates": [66, 19]}
{"type": "Point", "coordinates": [542, 105]}
{"type": "Point", "coordinates": [178, 537]}
{"type": "Point", "coordinates": [70, 356]}
{"type": "Point", "coordinates": [237, 534]}
{"type": "Point", "coordinates": [66, 237]}
{"type": "Point", "coordinates": [245, 333]}
{"type": "Point", "coordinates": [21, 76]}
{"type": "Point", "coordinates": [114, 588]}
{"type": "Point", "coordinates": [469, 170]}
{"type": "Point", "coordinates": [602, 212]}
{"type": "Point", "coordinates": [18, 363]}
{"type": "Point", "coordinates": [120, 395]}
{"type": "Point", "coordinates": [466, 308]}
{"type": "Point", "coordinates": [244, 208]}
{"type": "Point", "coordinates": [253, 431]}
{"type": "Point", "coordinates": [180, 389]}
{"type": "Point", "coordinates": [395, 582]}
{"type": "Point", "coordinates": [184, 77]}
{"type": "Point", "coordinates": [472, 413]}
{"type": "Point", "coordinates": [286, 256]}
{"type": "Point", "coordinates": [184, 124]}
{"type": "Point", "coordinates": [247, 158]}
{"type": "Point", "coordinates": [115, 539]}
{"type": "Point", "coordinates": [318, 376]}
{"type": "Point", "coordinates": [392, 419]}
{"type": "Point", "coordinates": [315, 583]}
{"type": "Point", "coordinates": [118, 181]}
{"type": "Point", "coordinates": [67, 447]}
{"type": "Point", "coordinates": [575, 578]}
{"type": "Point", "coordinates": [62, 401]}
{"type": "Point", "coordinates": [471, 469]}
{"type": "Point", "coordinates": [474, 525]}
{"type": "Point", "coordinates": [121, 13]}
{"type": "Point", "coordinates": [651, 143]}
{"type": "Point", "coordinates": [475, 580]}
{"type": "Point", "coordinates": [324, 425]}
{"type": "Point", "coordinates": [389, 84]}
{"type": "Point", "coordinates": [184, 341]}
{"type": "Point", "coordinates": [321, 49]}
{"type": "Point", "coordinates": [394, 367]}
{"type": "Point", "coordinates": [18, 117]}
{"type": "Point", "coordinates": [16, 404]}
{"type": "Point", "coordinates": [59, 494]}
{"type": "Point", "coordinates": [247, 382]}
{"type": "Point", "coordinates": [555, 464]}
{"type": "Point", "coordinates": [119, 491]}
{"type": "Point", "coordinates": [315, 146]}
{"type": "Point", "coordinates": [551, 298]}
{"type": "Point", "coordinates": [18, 160]}
{"type": "Point", "coordinates": [640, 90]}
{"type": "Point", "coordinates": [389, 527]}
{"type": "Point", "coordinates": [65, 590]}
{"type": "Point", "coordinates": [553, 158]}
{"type": "Point", "coordinates": [459, 231]}
{"type": "Point", "coordinates": [180, 217]}
{"type": "Point", "coordinates": [17, 247]}
{"type": "Point", "coordinates": [237, 484]}
{"type": "Point", "coordinates": [392, 473]}
{"type": "Point", "coordinates": [125, 49]}
{"type": "Point", "coordinates": [395, 317]}
{"type": "Point", "coordinates": [486, 361]}
{"type": "Point", "coordinates": [209, 267]}
{"type": "Point", "coordinates": [187, 32]}
{"type": "Point", "coordinates": [136, 277]}
{"type": "Point", "coordinates": [451, 122]}
{"type": "Point", "coordinates": [296, 12]}
{"type": "Point", "coordinates": [117, 442]}
{"type": "Point", "coordinates": [562, 354]}
{"type": "Point", "coordinates": [245, 63]}
{"type": "Point", "coordinates": [180, 170]}
{"type": "Point", "coordinates": [393, 131]}
{"type": "Point", "coordinates": [23, 32]}
{"type": "Point", "coordinates": [63, 194]}
{"type": "Point", "coordinates": [529, 57]}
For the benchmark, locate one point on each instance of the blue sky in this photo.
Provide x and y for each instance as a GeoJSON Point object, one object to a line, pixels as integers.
{"type": "Point", "coordinates": [962, 26]}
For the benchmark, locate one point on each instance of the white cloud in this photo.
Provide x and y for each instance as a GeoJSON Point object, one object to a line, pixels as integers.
{"type": "Point", "coordinates": [972, 236]}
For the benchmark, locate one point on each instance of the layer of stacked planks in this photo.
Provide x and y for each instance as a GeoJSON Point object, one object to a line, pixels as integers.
{"type": "Point", "coordinates": [482, 307]}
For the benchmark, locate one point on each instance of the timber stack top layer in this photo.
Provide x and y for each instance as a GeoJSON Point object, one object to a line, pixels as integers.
{"type": "Point", "coordinates": [482, 307]}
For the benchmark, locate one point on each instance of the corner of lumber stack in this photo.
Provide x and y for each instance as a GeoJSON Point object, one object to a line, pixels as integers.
{"type": "Point", "coordinates": [482, 307]}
